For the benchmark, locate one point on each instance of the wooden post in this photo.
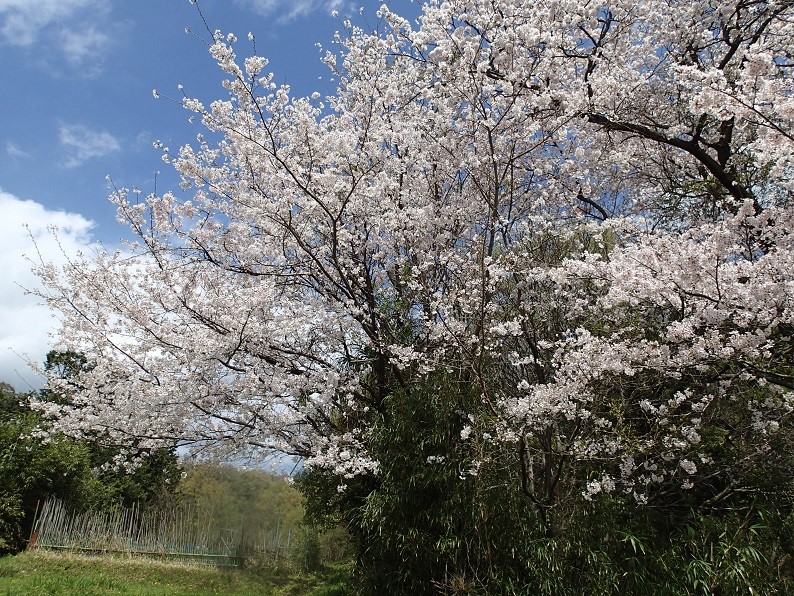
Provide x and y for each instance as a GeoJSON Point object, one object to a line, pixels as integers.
{"type": "Point", "coordinates": [33, 533]}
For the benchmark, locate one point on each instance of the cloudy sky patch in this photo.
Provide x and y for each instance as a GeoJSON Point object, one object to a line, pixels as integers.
{"type": "Point", "coordinates": [85, 47]}
{"type": "Point", "coordinates": [26, 325]}
{"type": "Point", "coordinates": [289, 10]}
{"type": "Point", "coordinates": [15, 152]}
{"type": "Point", "coordinates": [74, 30]}
{"type": "Point", "coordinates": [22, 21]}
{"type": "Point", "coordinates": [83, 144]}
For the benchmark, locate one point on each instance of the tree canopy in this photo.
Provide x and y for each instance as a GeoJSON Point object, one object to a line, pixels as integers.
{"type": "Point", "coordinates": [543, 245]}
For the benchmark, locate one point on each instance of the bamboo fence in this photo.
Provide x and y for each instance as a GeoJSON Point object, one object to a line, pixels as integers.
{"type": "Point", "coordinates": [176, 534]}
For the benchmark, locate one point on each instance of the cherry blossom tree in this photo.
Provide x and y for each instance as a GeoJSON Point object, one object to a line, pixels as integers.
{"type": "Point", "coordinates": [572, 220]}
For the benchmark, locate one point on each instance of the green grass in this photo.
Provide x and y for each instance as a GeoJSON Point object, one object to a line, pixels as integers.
{"type": "Point", "coordinates": [46, 573]}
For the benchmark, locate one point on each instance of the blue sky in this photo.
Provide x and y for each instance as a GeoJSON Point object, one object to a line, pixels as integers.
{"type": "Point", "coordinates": [76, 106]}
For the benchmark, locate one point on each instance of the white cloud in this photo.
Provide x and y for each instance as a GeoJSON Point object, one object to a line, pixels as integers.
{"type": "Point", "coordinates": [78, 30]}
{"type": "Point", "coordinates": [85, 47]}
{"type": "Point", "coordinates": [25, 325]}
{"type": "Point", "coordinates": [143, 140]}
{"type": "Point", "coordinates": [83, 144]}
{"type": "Point", "coordinates": [13, 151]}
{"type": "Point", "coordinates": [22, 21]}
{"type": "Point", "coordinates": [289, 10]}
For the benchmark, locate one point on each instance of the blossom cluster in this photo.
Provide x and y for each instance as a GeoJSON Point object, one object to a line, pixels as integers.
{"type": "Point", "coordinates": [584, 207]}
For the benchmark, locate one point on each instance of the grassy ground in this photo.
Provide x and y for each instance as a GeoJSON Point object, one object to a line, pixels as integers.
{"type": "Point", "coordinates": [45, 573]}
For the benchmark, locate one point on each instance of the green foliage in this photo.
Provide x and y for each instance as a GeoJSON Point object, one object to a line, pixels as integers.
{"type": "Point", "coordinates": [308, 551]}
{"type": "Point", "coordinates": [31, 469]}
{"type": "Point", "coordinates": [428, 520]}
{"type": "Point", "coordinates": [234, 496]}
{"type": "Point", "coordinates": [34, 467]}
{"type": "Point", "coordinates": [267, 508]}
{"type": "Point", "coordinates": [64, 365]}
{"type": "Point", "coordinates": [619, 549]}
{"type": "Point", "coordinates": [428, 523]}
{"type": "Point", "coordinates": [155, 476]}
